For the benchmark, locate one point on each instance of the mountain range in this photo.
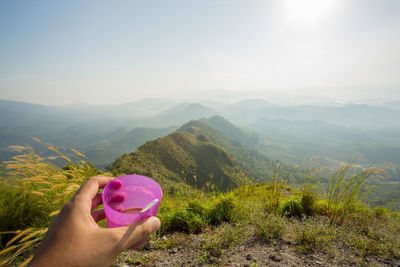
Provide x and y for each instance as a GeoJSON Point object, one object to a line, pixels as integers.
{"type": "Point", "coordinates": [253, 134]}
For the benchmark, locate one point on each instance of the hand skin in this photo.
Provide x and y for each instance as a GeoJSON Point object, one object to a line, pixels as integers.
{"type": "Point", "coordinates": [75, 239]}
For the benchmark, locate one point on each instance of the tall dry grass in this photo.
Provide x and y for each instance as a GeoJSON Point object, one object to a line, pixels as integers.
{"type": "Point", "coordinates": [33, 190]}
{"type": "Point", "coordinates": [346, 187]}
{"type": "Point", "coordinates": [274, 195]}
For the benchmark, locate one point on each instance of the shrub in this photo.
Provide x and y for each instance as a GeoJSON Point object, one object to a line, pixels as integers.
{"type": "Point", "coordinates": [321, 207]}
{"type": "Point", "coordinates": [307, 201]}
{"type": "Point", "coordinates": [313, 235]}
{"type": "Point", "coordinates": [181, 220]}
{"type": "Point", "coordinates": [195, 207]}
{"type": "Point", "coordinates": [292, 208]}
{"type": "Point", "coordinates": [222, 211]}
{"type": "Point", "coordinates": [271, 227]}
{"type": "Point", "coordinates": [380, 212]}
{"type": "Point", "coordinates": [225, 236]}
{"type": "Point", "coordinates": [369, 234]}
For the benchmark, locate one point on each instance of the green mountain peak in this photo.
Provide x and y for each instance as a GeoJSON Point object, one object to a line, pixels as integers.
{"type": "Point", "coordinates": [183, 157]}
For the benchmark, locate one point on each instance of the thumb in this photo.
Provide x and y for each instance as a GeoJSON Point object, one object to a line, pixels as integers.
{"type": "Point", "coordinates": [130, 235]}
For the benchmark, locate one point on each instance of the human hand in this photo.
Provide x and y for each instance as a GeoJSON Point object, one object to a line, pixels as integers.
{"type": "Point", "coordinates": [75, 239]}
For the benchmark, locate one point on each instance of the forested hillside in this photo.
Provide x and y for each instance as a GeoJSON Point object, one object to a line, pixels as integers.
{"type": "Point", "coordinates": [183, 157]}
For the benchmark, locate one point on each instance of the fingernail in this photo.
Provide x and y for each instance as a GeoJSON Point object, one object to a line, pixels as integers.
{"type": "Point", "coordinates": [156, 223]}
{"type": "Point", "coordinates": [115, 184]}
{"type": "Point", "coordinates": [118, 197]}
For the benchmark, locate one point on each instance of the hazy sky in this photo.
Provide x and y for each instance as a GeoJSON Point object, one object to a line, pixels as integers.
{"type": "Point", "coordinates": [60, 52]}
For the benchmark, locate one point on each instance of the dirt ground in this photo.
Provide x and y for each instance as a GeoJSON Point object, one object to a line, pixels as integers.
{"type": "Point", "coordinates": [187, 251]}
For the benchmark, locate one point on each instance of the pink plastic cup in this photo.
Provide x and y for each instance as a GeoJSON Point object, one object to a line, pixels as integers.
{"type": "Point", "coordinates": [128, 193]}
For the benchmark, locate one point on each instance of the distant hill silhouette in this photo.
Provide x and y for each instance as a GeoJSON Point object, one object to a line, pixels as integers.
{"type": "Point", "coordinates": [178, 115]}
{"type": "Point", "coordinates": [232, 131]}
{"type": "Point", "coordinates": [107, 151]}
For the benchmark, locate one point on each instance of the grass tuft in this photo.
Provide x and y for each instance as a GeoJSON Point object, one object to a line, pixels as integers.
{"type": "Point", "coordinates": [292, 208]}
{"type": "Point", "coordinates": [225, 236]}
{"type": "Point", "coordinates": [308, 202]}
{"type": "Point", "coordinates": [312, 235]}
{"type": "Point", "coordinates": [271, 227]}
{"type": "Point", "coordinates": [345, 190]}
{"type": "Point", "coordinates": [221, 212]}
{"type": "Point", "coordinates": [181, 220]}
{"type": "Point", "coordinates": [274, 194]}
{"type": "Point", "coordinates": [31, 189]}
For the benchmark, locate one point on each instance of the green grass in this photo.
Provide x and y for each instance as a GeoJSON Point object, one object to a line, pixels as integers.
{"type": "Point", "coordinates": [222, 219]}
{"type": "Point", "coordinates": [20, 208]}
{"type": "Point", "coordinates": [275, 187]}
{"type": "Point", "coordinates": [194, 216]}
{"type": "Point", "coordinates": [132, 258]}
{"type": "Point", "coordinates": [345, 190]}
{"type": "Point", "coordinates": [183, 157]}
{"type": "Point", "coordinates": [31, 193]}
{"type": "Point", "coordinates": [369, 234]}
{"type": "Point", "coordinates": [224, 237]}
{"type": "Point", "coordinates": [195, 207]}
{"type": "Point", "coordinates": [312, 235]}
{"type": "Point", "coordinates": [221, 211]}
{"type": "Point", "coordinates": [292, 208]}
{"type": "Point", "coordinates": [182, 220]}
{"type": "Point", "coordinates": [308, 202]}
{"type": "Point", "coordinates": [270, 227]}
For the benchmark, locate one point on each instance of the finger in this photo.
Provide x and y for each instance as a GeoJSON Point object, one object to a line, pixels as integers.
{"type": "Point", "coordinates": [130, 235]}
{"type": "Point", "coordinates": [90, 188]}
{"type": "Point", "coordinates": [98, 215]}
{"type": "Point", "coordinates": [117, 198]}
{"type": "Point", "coordinates": [97, 200]}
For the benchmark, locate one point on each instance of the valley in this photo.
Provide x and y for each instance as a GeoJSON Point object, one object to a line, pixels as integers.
{"type": "Point", "coordinates": [255, 134]}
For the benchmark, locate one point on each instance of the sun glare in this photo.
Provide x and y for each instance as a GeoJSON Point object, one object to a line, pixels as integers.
{"type": "Point", "coordinates": [307, 11]}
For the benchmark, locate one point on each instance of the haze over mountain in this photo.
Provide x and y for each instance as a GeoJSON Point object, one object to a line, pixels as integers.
{"type": "Point", "coordinates": [269, 132]}
{"type": "Point", "coordinates": [281, 132]}
{"type": "Point", "coordinates": [272, 127]}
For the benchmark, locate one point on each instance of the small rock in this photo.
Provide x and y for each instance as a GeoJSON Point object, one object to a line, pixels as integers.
{"type": "Point", "coordinates": [164, 238]}
{"type": "Point", "coordinates": [212, 260]}
{"type": "Point", "coordinates": [149, 245]}
{"type": "Point", "coordinates": [215, 253]}
{"type": "Point", "coordinates": [318, 262]}
{"type": "Point", "coordinates": [249, 257]}
{"type": "Point", "coordinates": [275, 257]}
{"type": "Point", "coordinates": [173, 251]}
